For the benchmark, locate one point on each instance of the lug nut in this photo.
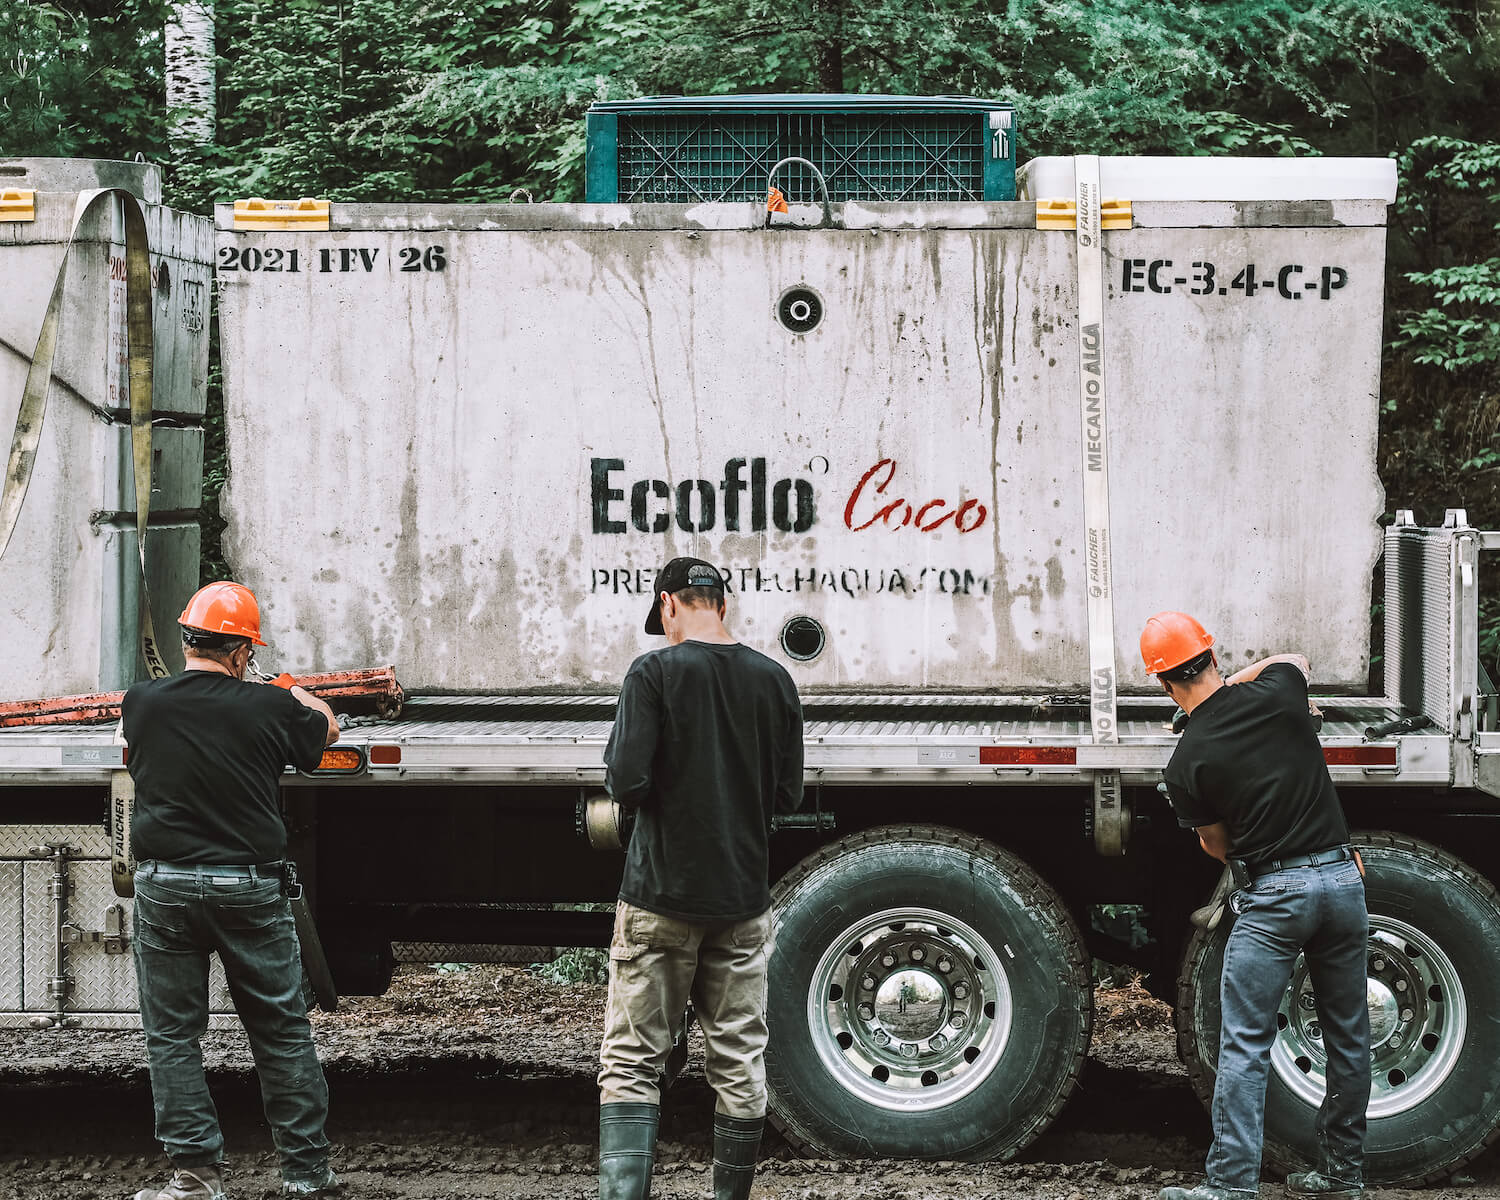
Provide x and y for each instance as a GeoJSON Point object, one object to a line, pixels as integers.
{"type": "Point", "coordinates": [945, 965]}
{"type": "Point", "coordinates": [937, 1042]}
{"type": "Point", "coordinates": [959, 1020]}
{"type": "Point", "coordinates": [1407, 1014]}
{"type": "Point", "coordinates": [1315, 1031]}
{"type": "Point", "coordinates": [1394, 1041]}
{"type": "Point", "coordinates": [868, 983]}
{"type": "Point", "coordinates": [1377, 964]}
{"type": "Point", "coordinates": [881, 1037]}
{"type": "Point", "coordinates": [867, 1012]}
{"type": "Point", "coordinates": [908, 1050]}
{"type": "Point", "coordinates": [960, 991]}
{"type": "Point", "coordinates": [1307, 1001]}
{"type": "Point", "coordinates": [918, 954]}
{"type": "Point", "coordinates": [887, 960]}
{"type": "Point", "coordinates": [1401, 985]}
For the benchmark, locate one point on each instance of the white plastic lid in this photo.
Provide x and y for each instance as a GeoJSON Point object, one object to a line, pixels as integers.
{"type": "Point", "coordinates": [1164, 177]}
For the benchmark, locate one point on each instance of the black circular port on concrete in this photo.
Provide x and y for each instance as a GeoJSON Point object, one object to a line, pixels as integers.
{"type": "Point", "coordinates": [803, 638]}
{"type": "Point", "coordinates": [800, 309]}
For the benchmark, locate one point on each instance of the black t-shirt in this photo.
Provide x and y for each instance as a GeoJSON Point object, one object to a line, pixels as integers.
{"type": "Point", "coordinates": [1251, 759]}
{"type": "Point", "coordinates": [206, 753]}
{"type": "Point", "coordinates": [707, 745]}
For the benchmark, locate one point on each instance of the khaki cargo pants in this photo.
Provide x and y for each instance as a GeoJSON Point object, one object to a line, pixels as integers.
{"type": "Point", "coordinates": [656, 964]}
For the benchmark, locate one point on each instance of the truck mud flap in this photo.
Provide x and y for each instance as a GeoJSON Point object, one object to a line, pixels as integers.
{"type": "Point", "coordinates": [314, 961]}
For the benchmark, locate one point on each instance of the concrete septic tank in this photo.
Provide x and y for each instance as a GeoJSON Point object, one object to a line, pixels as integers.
{"type": "Point", "coordinates": [70, 579]}
{"type": "Point", "coordinates": [462, 438]}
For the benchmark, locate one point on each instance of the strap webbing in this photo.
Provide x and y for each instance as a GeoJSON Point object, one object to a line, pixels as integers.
{"type": "Point", "coordinates": [28, 433]}
{"type": "Point", "coordinates": [1094, 427]}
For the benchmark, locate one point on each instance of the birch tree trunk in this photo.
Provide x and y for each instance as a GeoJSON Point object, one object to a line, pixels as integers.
{"type": "Point", "coordinates": [189, 45]}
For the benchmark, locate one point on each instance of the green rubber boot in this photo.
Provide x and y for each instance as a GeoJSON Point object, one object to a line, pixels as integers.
{"type": "Point", "coordinates": [736, 1148]}
{"type": "Point", "coordinates": [627, 1150]}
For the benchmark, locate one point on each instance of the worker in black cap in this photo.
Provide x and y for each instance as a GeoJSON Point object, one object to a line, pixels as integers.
{"type": "Point", "coordinates": [706, 747]}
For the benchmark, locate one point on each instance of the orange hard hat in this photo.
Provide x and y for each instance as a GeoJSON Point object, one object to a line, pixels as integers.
{"type": "Point", "coordinates": [1171, 639]}
{"type": "Point", "coordinates": [227, 608]}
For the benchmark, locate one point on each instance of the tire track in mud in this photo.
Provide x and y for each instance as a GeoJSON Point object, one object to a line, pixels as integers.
{"type": "Point", "coordinates": [474, 1127]}
{"type": "Point", "coordinates": [480, 1083]}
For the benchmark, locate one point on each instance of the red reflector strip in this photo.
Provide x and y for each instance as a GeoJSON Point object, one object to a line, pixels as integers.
{"type": "Point", "coordinates": [385, 756]}
{"type": "Point", "coordinates": [1360, 756]}
{"type": "Point", "coordinates": [1030, 756]}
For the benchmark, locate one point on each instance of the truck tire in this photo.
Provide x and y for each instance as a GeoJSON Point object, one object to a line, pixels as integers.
{"type": "Point", "coordinates": [929, 998]}
{"type": "Point", "coordinates": [1434, 937]}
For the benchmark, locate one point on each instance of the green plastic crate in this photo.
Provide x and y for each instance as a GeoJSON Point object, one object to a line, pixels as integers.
{"type": "Point", "coordinates": [717, 149]}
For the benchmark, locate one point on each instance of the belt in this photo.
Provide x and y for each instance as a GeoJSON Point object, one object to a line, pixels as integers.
{"type": "Point", "coordinates": [268, 869]}
{"type": "Point", "coordinates": [1321, 858]}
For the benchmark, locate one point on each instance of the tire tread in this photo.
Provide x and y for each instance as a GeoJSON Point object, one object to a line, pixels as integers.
{"type": "Point", "coordinates": [1202, 1078]}
{"type": "Point", "coordinates": [1038, 894]}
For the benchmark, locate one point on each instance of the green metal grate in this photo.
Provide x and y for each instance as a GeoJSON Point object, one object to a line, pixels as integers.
{"type": "Point", "coordinates": [678, 154]}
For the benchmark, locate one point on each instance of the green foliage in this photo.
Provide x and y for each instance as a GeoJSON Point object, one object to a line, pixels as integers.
{"type": "Point", "coordinates": [579, 965]}
{"type": "Point", "coordinates": [82, 80]}
{"type": "Point", "coordinates": [1451, 182]}
{"type": "Point", "coordinates": [434, 100]}
{"type": "Point", "coordinates": [395, 99]}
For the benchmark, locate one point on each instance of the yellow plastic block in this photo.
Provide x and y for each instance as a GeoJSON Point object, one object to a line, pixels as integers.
{"type": "Point", "coordinates": [17, 204]}
{"type": "Point", "coordinates": [1063, 214]}
{"type": "Point", "coordinates": [306, 214]}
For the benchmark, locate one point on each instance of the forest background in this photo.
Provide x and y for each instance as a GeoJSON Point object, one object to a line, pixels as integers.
{"type": "Point", "coordinates": [431, 100]}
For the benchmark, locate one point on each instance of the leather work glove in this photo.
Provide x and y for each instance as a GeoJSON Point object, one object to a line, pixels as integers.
{"type": "Point", "coordinates": [1209, 916]}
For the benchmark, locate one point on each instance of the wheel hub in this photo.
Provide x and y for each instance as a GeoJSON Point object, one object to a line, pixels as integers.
{"type": "Point", "coordinates": [1418, 1017]}
{"type": "Point", "coordinates": [1385, 1012]}
{"type": "Point", "coordinates": [909, 1008]}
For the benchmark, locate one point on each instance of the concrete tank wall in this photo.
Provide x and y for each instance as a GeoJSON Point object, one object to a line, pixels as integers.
{"type": "Point", "coordinates": [69, 579]}
{"type": "Point", "coordinates": [447, 427]}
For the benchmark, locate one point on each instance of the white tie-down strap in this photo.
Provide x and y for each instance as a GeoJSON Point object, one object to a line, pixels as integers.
{"type": "Point", "coordinates": [1109, 818]}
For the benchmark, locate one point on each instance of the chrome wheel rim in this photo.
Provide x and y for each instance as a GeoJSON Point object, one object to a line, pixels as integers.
{"type": "Point", "coordinates": [909, 1009]}
{"type": "Point", "coordinates": [1418, 1018]}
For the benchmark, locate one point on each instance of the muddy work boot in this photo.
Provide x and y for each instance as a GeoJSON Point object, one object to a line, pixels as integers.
{"type": "Point", "coordinates": [736, 1147]}
{"type": "Point", "coordinates": [627, 1150]}
{"type": "Point", "coordinates": [1315, 1183]}
{"type": "Point", "coordinates": [326, 1184]}
{"type": "Point", "coordinates": [188, 1183]}
{"type": "Point", "coordinates": [1205, 1191]}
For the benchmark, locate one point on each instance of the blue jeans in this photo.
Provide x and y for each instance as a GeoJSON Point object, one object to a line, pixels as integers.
{"type": "Point", "coordinates": [181, 914]}
{"type": "Point", "coordinates": [1319, 911]}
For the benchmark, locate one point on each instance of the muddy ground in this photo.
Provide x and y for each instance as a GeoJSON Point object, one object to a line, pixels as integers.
{"type": "Point", "coordinates": [479, 1083]}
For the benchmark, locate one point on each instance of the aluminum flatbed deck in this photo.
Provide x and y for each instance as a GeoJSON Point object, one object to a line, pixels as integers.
{"type": "Point", "coordinates": [939, 740]}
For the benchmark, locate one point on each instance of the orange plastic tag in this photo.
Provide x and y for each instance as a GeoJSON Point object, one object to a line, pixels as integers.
{"type": "Point", "coordinates": [775, 201]}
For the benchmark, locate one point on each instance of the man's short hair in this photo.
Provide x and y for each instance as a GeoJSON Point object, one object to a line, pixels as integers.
{"type": "Point", "coordinates": [217, 646]}
{"type": "Point", "coordinates": [1191, 669]}
{"type": "Point", "coordinates": [700, 597]}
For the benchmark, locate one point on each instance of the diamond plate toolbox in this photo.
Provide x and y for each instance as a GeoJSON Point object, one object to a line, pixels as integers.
{"type": "Point", "coordinates": [74, 966]}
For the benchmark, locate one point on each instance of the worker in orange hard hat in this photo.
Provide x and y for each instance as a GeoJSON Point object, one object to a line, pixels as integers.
{"type": "Point", "coordinates": [1248, 775]}
{"type": "Point", "coordinates": [207, 750]}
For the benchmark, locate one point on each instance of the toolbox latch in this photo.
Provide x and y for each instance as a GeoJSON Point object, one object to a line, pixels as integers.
{"type": "Point", "coordinates": [112, 937]}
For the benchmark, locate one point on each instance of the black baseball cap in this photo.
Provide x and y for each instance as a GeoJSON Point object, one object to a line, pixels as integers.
{"type": "Point", "coordinates": [678, 574]}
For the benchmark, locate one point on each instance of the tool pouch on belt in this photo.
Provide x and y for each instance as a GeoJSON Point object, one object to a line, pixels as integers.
{"type": "Point", "coordinates": [291, 885]}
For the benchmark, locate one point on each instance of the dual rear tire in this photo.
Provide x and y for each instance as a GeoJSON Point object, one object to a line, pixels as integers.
{"type": "Point", "coordinates": [930, 997]}
{"type": "Point", "coordinates": [1434, 996]}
